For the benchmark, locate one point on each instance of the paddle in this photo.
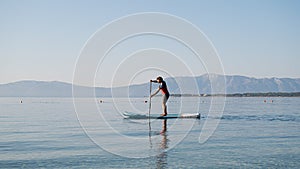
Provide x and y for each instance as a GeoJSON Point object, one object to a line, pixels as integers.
{"type": "Point", "coordinates": [149, 122]}
{"type": "Point", "coordinates": [150, 97]}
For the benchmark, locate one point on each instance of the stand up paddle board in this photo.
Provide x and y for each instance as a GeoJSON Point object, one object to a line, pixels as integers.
{"type": "Point", "coordinates": [130, 115]}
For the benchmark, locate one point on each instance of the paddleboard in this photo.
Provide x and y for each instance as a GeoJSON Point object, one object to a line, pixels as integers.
{"type": "Point", "coordinates": [131, 115]}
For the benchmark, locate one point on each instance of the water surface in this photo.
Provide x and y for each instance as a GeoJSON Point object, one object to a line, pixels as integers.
{"type": "Point", "coordinates": [46, 133]}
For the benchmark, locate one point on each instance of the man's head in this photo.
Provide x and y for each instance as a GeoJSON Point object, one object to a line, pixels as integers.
{"type": "Point", "coordinates": [159, 79]}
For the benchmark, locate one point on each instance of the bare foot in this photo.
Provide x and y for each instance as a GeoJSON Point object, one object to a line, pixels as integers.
{"type": "Point", "coordinates": [163, 114]}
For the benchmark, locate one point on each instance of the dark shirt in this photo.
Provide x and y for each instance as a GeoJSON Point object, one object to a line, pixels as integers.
{"type": "Point", "coordinates": [163, 88]}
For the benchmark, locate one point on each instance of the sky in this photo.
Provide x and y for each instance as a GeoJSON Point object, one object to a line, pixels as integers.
{"type": "Point", "coordinates": [42, 40]}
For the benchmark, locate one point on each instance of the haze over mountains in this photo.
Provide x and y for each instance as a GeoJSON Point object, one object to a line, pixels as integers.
{"type": "Point", "coordinates": [177, 85]}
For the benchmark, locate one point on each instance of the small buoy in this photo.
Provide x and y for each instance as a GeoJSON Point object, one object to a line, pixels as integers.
{"type": "Point", "coordinates": [21, 101]}
{"type": "Point", "coordinates": [146, 101]}
{"type": "Point", "coordinates": [265, 101]}
{"type": "Point", "coordinates": [272, 101]}
{"type": "Point", "coordinates": [101, 101]}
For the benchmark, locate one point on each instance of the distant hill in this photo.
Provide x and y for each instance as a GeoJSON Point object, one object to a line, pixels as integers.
{"type": "Point", "coordinates": [177, 85]}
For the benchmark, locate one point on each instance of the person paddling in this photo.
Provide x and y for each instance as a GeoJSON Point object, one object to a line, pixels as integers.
{"type": "Point", "coordinates": [165, 93]}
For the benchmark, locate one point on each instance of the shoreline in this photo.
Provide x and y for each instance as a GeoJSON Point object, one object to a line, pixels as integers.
{"type": "Point", "coordinates": [268, 94]}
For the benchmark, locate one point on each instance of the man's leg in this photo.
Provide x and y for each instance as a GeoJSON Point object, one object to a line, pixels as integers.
{"type": "Point", "coordinates": [164, 105]}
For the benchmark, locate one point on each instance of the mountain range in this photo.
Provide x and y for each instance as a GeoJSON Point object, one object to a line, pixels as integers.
{"type": "Point", "coordinates": [176, 85]}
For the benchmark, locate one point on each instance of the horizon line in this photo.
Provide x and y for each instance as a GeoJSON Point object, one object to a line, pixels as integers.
{"type": "Point", "coordinates": [71, 83]}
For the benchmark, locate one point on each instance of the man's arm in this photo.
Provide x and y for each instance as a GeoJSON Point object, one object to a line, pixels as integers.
{"type": "Point", "coordinates": [154, 81]}
{"type": "Point", "coordinates": [155, 92]}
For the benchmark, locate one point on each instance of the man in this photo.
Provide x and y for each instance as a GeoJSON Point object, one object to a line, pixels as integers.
{"type": "Point", "coordinates": [164, 91]}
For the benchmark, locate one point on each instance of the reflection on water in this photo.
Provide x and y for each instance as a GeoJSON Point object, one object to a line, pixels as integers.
{"type": "Point", "coordinates": [161, 158]}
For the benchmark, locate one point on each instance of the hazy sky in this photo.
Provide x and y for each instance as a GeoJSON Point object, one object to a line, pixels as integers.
{"type": "Point", "coordinates": [41, 40]}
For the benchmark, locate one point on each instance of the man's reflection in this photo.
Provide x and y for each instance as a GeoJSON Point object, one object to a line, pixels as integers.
{"type": "Point", "coordinates": [162, 157]}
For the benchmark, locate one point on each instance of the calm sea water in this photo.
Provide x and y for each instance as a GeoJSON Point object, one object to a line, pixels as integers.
{"type": "Point", "coordinates": [48, 133]}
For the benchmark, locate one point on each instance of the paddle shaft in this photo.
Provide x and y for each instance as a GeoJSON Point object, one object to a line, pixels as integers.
{"type": "Point", "coordinates": [150, 90]}
{"type": "Point", "coordinates": [149, 124]}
